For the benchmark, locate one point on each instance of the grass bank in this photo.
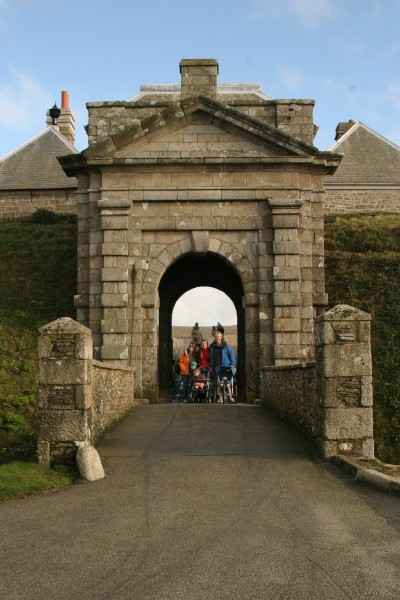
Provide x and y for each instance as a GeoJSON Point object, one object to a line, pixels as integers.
{"type": "Point", "coordinates": [20, 478]}
{"type": "Point", "coordinates": [37, 284]}
{"type": "Point", "coordinates": [363, 270]}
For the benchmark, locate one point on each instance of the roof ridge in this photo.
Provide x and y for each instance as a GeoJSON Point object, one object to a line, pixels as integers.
{"type": "Point", "coordinates": [354, 128]}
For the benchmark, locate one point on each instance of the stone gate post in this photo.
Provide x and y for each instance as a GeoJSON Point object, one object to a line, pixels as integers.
{"type": "Point", "coordinates": [65, 391]}
{"type": "Point", "coordinates": [344, 382]}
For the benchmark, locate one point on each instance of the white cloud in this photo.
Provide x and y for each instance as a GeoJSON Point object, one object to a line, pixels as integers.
{"type": "Point", "coordinates": [205, 306]}
{"type": "Point", "coordinates": [308, 12]}
{"type": "Point", "coordinates": [21, 101]}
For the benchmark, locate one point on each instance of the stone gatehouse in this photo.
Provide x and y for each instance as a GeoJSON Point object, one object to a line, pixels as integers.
{"type": "Point", "coordinates": [200, 184]}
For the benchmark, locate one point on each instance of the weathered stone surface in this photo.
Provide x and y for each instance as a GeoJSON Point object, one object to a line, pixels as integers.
{"type": "Point", "coordinates": [286, 247]}
{"type": "Point", "coordinates": [340, 392]}
{"type": "Point", "coordinates": [114, 222]}
{"type": "Point", "coordinates": [284, 324]}
{"type": "Point", "coordinates": [114, 300]}
{"type": "Point", "coordinates": [68, 371]}
{"type": "Point", "coordinates": [114, 325]}
{"type": "Point", "coordinates": [286, 273]}
{"type": "Point", "coordinates": [343, 423]}
{"type": "Point", "coordinates": [63, 425]}
{"type": "Point", "coordinates": [89, 463]}
{"type": "Point", "coordinates": [114, 274]}
{"type": "Point", "coordinates": [347, 360]}
{"type": "Point", "coordinates": [114, 353]}
{"type": "Point", "coordinates": [287, 299]}
{"type": "Point", "coordinates": [77, 408]}
{"type": "Point", "coordinates": [344, 312]}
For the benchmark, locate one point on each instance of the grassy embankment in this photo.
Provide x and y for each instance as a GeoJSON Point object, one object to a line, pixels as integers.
{"type": "Point", "coordinates": [363, 270]}
{"type": "Point", "coordinates": [38, 281]}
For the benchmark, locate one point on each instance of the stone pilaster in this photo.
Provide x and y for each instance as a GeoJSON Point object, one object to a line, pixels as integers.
{"type": "Point", "coordinates": [81, 299]}
{"type": "Point", "coordinates": [114, 279]}
{"type": "Point", "coordinates": [344, 375]}
{"type": "Point", "coordinates": [65, 391]}
{"type": "Point", "coordinates": [286, 278]}
{"type": "Point", "coordinates": [262, 301]}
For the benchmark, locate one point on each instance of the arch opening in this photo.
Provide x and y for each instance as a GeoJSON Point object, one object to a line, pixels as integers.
{"type": "Point", "coordinates": [188, 273]}
{"type": "Point", "coordinates": [205, 305]}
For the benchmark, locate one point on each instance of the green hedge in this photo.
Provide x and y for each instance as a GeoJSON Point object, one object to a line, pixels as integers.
{"type": "Point", "coordinates": [363, 270]}
{"type": "Point", "coordinates": [37, 285]}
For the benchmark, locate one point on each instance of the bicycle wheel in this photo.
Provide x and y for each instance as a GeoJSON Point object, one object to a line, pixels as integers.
{"type": "Point", "coordinates": [225, 393]}
{"type": "Point", "coordinates": [235, 391]}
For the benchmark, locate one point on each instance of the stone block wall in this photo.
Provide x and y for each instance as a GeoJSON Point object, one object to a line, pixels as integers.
{"type": "Point", "coordinates": [22, 203]}
{"type": "Point", "coordinates": [292, 391]}
{"type": "Point", "coordinates": [78, 399]}
{"type": "Point", "coordinates": [112, 397]}
{"type": "Point", "coordinates": [344, 374]}
{"type": "Point", "coordinates": [330, 400]}
{"type": "Point", "coordinates": [344, 201]}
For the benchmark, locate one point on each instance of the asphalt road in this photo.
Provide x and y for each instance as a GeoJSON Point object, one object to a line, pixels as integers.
{"type": "Point", "coordinates": [204, 502]}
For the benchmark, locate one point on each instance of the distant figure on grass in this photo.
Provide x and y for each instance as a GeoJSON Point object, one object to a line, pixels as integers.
{"type": "Point", "coordinates": [217, 327]}
{"type": "Point", "coordinates": [196, 335]}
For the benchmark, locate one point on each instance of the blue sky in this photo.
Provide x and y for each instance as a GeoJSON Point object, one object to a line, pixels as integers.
{"type": "Point", "coordinates": [345, 54]}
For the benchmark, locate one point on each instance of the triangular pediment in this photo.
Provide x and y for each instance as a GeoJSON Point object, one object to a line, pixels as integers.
{"type": "Point", "coordinates": [198, 128]}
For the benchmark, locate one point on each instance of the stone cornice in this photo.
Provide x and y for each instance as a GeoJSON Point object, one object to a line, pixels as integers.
{"type": "Point", "coordinates": [219, 112]}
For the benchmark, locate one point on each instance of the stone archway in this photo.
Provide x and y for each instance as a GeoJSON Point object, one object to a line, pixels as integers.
{"type": "Point", "coordinates": [203, 184]}
{"type": "Point", "coordinates": [200, 176]}
{"type": "Point", "coordinates": [183, 275]}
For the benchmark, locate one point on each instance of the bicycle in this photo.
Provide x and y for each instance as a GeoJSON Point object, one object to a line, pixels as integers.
{"type": "Point", "coordinates": [225, 386]}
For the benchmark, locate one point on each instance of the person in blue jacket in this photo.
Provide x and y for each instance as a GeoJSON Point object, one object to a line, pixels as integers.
{"type": "Point", "coordinates": [222, 357]}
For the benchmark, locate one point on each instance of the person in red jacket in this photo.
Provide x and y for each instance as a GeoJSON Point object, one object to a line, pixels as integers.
{"type": "Point", "coordinates": [203, 355]}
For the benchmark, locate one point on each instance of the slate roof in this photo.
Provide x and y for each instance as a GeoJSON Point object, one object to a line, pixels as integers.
{"type": "Point", "coordinates": [34, 165]}
{"type": "Point", "coordinates": [369, 159]}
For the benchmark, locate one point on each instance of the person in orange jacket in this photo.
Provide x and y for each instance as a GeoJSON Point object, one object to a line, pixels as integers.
{"type": "Point", "coordinates": [186, 358]}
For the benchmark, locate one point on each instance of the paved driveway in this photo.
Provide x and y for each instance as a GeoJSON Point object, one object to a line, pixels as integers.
{"type": "Point", "coordinates": [204, 502]}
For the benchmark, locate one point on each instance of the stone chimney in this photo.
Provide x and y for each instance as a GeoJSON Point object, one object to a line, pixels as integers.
{"type": "Point", "coordinates": [198, 76]}
{"type": "Point", "coordinates": [66, 120]}
{"type": "Point", "coordinates": [342, 128]}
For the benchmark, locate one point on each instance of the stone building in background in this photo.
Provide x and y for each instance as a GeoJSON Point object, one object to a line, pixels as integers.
{"type": "Point", "coordinates": [31, 177]}
{"type": "Point", "coordinates": [368, 178]}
